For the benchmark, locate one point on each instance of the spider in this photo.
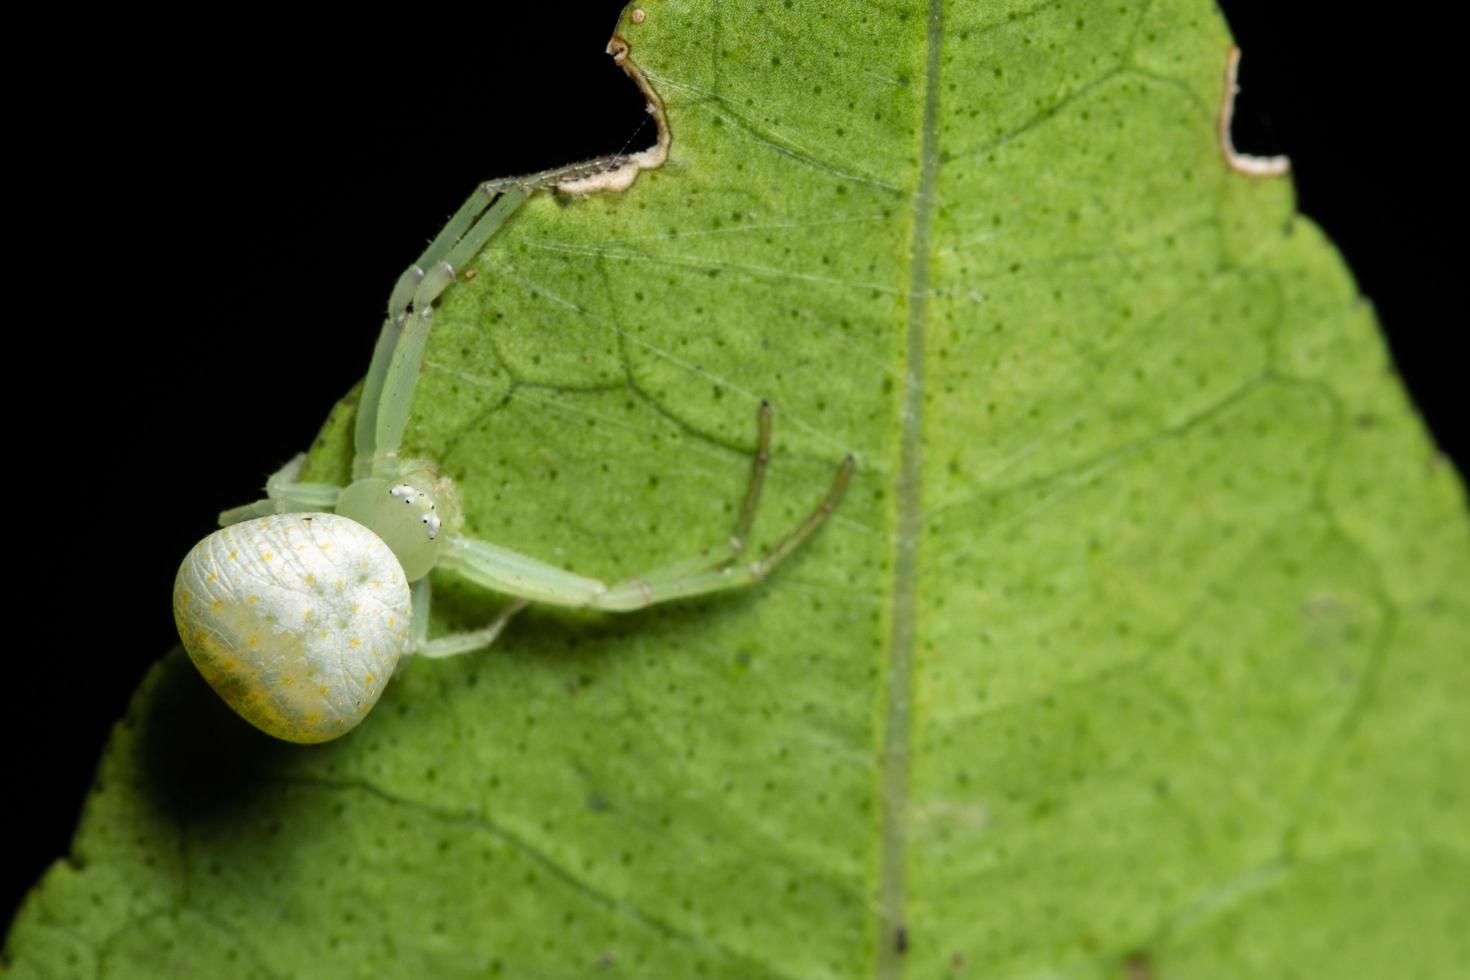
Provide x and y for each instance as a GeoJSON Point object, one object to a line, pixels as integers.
{"type": "Point", "coordinates": [300, 608]}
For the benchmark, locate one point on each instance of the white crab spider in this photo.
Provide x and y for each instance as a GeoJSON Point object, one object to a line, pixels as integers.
{"type": "Point", "coordinates": [298, 610]}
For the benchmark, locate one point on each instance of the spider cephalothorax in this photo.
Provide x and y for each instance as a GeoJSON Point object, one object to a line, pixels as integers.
{"type": "Point", "coordinates": [410, 512]}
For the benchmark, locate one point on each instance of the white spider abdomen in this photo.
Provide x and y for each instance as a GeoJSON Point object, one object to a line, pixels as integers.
{"type": "Point", "coordinates": [297, 620]}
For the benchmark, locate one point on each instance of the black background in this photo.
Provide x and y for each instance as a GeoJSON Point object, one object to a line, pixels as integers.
{"type": "Point", "coordinates": [231, 212]}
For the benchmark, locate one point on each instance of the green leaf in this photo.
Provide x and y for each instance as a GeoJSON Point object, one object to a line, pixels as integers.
{"type": "Point", "coordinates": [1138, 648]}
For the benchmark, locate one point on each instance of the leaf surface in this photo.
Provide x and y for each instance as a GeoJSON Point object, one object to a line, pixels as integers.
{"type": "Point", "coordinates": [1137, 649]}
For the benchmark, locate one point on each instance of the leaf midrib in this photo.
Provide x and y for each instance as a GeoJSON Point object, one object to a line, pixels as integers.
{"type": "Point", "coordinates": [891, 931]}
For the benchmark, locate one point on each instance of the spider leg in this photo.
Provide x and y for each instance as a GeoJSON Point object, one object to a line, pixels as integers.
{"type": "Point", "coordinates": [727, 551]}
{"type": "Point", "coordinates": [282, 485]}
{"type": "Point", "coordinates": [676, 582]}
{"type": "Point", "coordinates": [284, 495]}
{"type": "Point", "coordinates": [452, 644]}
{"type": "Point", "coordinates": [503, 570]}
{"type": "Point", "coordinates": [387, 392]}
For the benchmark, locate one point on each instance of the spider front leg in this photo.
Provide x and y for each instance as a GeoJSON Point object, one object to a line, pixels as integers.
{"type": "Point", "coordinates": [387, 392]}
{"type": "Point", "coordinates": [715, 569]}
